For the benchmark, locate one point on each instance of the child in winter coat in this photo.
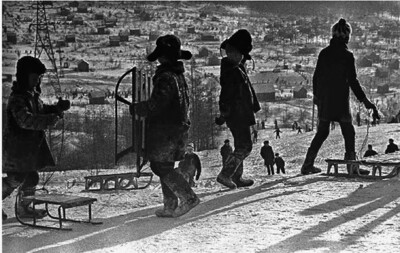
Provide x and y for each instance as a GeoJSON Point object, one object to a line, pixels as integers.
{"type": "Point", "coordinates": [25, 149]}
{"type": "Point", "coordinates": [280, 164]}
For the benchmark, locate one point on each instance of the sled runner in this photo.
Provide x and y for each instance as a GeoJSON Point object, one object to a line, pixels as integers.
{"type": "Point", "coordinates": [141, 90]}
{"type": "Point", "coordinates": [376, 165]}
{"type": "Point", "coordinates": [63, 202]}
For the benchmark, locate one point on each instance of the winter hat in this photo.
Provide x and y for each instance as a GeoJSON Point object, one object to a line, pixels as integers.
{"type": "Point", "coordinates": [190, 145]}
{"type": "Point", "coordinates": [241, 40]}
{"type": "Point", "coordinates": [169, 46]}
{"type": "Point", "coordinates": [341, 29]}
{"type": "Point", "coordinates": [226, 141]}
{"type": "Point", "coordinates": [29, 64]}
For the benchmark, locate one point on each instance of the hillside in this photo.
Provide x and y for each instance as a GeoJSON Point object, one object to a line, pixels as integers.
{"type": "Point", "coordinates": [281, 213]}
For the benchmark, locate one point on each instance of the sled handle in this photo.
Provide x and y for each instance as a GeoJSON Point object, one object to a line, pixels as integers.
{"type": "Point", "coordinates": [121, 99]}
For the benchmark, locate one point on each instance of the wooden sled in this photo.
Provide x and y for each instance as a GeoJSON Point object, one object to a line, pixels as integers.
{"type": "Point", "coordinates": [376, 166]}
{"type": "Point", "coordinates": [141, 90]}
{"type": "Point", "coordinates": [63, 202]}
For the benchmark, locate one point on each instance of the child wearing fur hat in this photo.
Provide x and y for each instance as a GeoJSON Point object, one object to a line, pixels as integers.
{"type": "Point", "coordinates": [334, 75]}
{"type": "Point", "coordinates": [25, 149]}
{"type": "Point", "coordinates": [166, 112]}
{"type": "Point", "coordinates": [238, 104]}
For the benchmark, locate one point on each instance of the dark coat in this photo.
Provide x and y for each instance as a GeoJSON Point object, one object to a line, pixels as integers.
{"type": "Point", "coordinates": [226, 151]}
{"type": "Point", "coordinates": [191, 165]}
{"type": "Point", "coordinates": [25, 147]}
{"type": "Point", "coordinates": [238, 101]}
{"type": "Point", "coordinates": [280, 163]}
{"type": "Point", "coordinates": [391, 148]}
{"type": "Point", "coordinates": [370, 153]}
{"type": "Point", "coordinates": [167, 114]}
{"type": "Point", "coordinates": [335, 73]}
{"type": "Point", "coordinates": [267, 154]}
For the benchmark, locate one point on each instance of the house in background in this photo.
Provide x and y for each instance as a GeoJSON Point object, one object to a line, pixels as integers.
{"type": "Point", "coordinates": [12, 37]}
{"type": "Point", "coordinates": [97, 98]}
{"type": "Point", "coordinates": [265, 92]}
{"type": "Point", "coordinates": [70, 38]}
{"type": "Point", "coordinates": [114, 41]}
{"type": "Point", "coordinates": [135, 32]}
{"type": "Point", "coordinates": [300, 92]}
{"type": "Point", "coordinates": [382, 88]}
{"type": "Point", "coordinates": [83, 66]}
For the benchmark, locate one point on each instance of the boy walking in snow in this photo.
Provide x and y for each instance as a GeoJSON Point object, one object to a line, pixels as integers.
{"type": "Point", "coordinates": [238, 104]}
{"type": "Point", "coordinates": [166, 112]}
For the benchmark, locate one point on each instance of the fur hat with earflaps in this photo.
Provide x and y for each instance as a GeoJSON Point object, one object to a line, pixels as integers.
{"type": "Point", "coordinates": [170, 47]}
{"type": "Point", "coordinates": [241, 40]}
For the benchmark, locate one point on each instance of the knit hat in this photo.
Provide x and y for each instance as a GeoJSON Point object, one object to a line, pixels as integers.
{"type": "Point", "coordinates": [341, 29]}
{"type": "Point", "coordinates": [226, 141]}
{"type": "Point", "coordinates": [241, 40]}
{"type": "Point", "coordinates": [29, 64]}
{"type": "Point", "coordinates": [169, 46]}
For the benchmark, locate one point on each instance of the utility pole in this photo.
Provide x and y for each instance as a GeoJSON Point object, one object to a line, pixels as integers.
{"type": "Point", "coordinates": [43, 43]}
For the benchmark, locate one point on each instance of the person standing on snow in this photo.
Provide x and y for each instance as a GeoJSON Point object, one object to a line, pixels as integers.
{"type": "Point", "coordinates": [166, 112]}
{"type": "Point", "coordinates": [268, 155]}
{"type": "Point", "coordinates": [25, 149]}
{"type": "Point", "coordinates": [334, 75]}
{"type": "Point", "coordinates": [280, 164]}
{"type": "Point", "coordinates": [190, 166]}
{"type": "Point", "coordinates": [391, 148]}
{"type": "Point", "coordinates": [238, 104]}
{"type": "Point", "coordinates": [225, 151]}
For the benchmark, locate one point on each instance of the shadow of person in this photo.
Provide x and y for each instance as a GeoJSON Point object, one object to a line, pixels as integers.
{"type": "Point", "coordinates": [376, 196]}
{"type": "Point", "coordinates": [138, 225]}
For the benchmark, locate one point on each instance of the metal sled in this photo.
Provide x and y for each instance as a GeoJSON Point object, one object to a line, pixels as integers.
{"type": "Point", "coordinates": [376, 166]}
{"type": "Point", "coordinates": [141, 90]}
{"type": "Point", "coordinates": [63, 202]}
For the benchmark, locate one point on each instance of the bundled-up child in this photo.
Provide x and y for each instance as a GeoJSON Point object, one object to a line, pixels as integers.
{"type": "Point", "coordinates": [25, 149]}
{"type": "Point", "coordinates": [280, 164]}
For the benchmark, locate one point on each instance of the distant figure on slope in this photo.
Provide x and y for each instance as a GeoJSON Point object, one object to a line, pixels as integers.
{"type": "Point", "coordinates": [268, 155]}
{"type": "Point", "coordinates": [280, 164]}
{"type": "Point", "coordinates": [238, 104]}
{"type": "Point", "coordinates": [277, 131]}
{"type": "Point", "coordinates": [391, 148]}
{"type": "Point", "coordinates": [166, 112]}
{"type": "Point", "coordinates": [255, 135]}
{"type": "Point", "coordinates": [190, 166]}
{"type": "Point", "coordinates": [299, 130]}
{"type": "Point", "coordinates": [370, 151]}
{"type": "Point", "coordinates": [334, 75]}
{"type": "Point", "coordinates": [226, 150]}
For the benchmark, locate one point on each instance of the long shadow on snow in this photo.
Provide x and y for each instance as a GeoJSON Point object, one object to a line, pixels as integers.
{"type": "Point", "coordinates": [373, 195]}
{"type": "Point", "coordinates": [134, 226]}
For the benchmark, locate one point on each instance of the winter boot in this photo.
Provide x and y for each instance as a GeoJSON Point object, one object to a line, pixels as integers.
{"type": "Point", "coordinates": [181, 189]}
{"type": "Point", "coordinates": [352, 169]}
{"type": "Point", "coordinates": [170, 202]}
{"type": "Point", "coordinates": [225, 176]}
{"type": "Point", "coordinates": [23, 209]}
{"type": "Point", "coordinates": [238, 180]}
{"type": "Point", "coordinates": [6, 191]}
{"type": "Point", "coordinates": [308, 165]}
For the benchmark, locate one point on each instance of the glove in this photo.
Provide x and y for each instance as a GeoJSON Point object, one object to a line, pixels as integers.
{"type": "Point", "coordinates": [219, 120]}
{"type": "Point", "coordinates": [63, 105]}
{"type": "Point", "coordinates": [370, 105]}
{"type": "Point", "coordinates": [52, 119]}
